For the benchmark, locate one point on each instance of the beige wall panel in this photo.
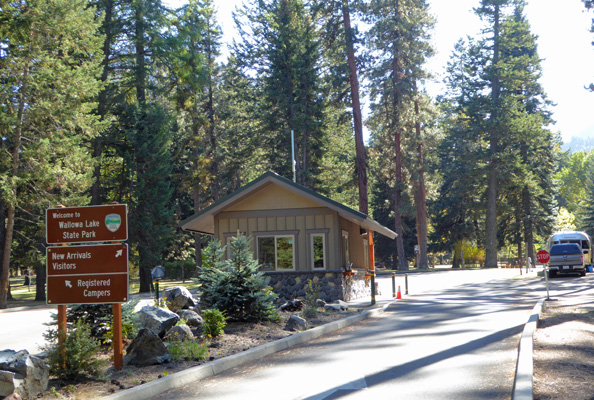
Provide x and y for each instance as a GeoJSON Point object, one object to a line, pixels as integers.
{"type": "Point", "coordinates": [261, 224]}
{"type": "Point", "coordinates": [233, 225]}
{"type": "Point", "coordinates": [271, 224]}
{"type": "Point", "coordinates": [243, 225]}
{"type": "Point", "coordinates": [331, 224]}
{"type": "Point", "coordinates": [281, 223]}
{"type": "Point", "coordinates": [319, 224]}
{"type": "Point", "coordinates": [272, 197]}
{"type": "Point", "coordinates": [310, 221]}
{"type": "Point", "coordinates": [252, 225]}
{"type": "Point", "coordinates": [301, 243]}
{"type": "Point", "coordinates": [291, 223]}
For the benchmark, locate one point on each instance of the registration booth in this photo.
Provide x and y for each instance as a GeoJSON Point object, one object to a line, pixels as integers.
{"type": "Point", "coordinates": [298, 235]}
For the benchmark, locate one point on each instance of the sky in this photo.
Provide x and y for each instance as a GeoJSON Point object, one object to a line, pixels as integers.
{"type": "Point", "coordinates": [564, 44]}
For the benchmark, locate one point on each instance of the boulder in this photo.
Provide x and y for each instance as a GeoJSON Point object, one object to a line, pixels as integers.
{"type": "Point", "coordinates": [320, 303]}
{"type": "Point", "coordinates": [296, 323]}
{"type": "Point", "coordinates": [157, 319]}
{"type": "Point", "coordinates": [293, 305]}
{"type": "Point", "coordinates": [146, 349]}
{"type": "Point", "coordinates": [338, 305]}
{"type": "Point", "coordinates": [192, 318]}
{"type": "Point", "coordinates": [22, 374]}
{"type": "Point", "coordinates": [179, 298]}
{"type": "Point", "coordinates": [179, 333]}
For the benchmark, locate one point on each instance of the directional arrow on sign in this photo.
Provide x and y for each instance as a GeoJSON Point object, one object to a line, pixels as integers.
{"type": "Point", "coordinates": [119, 253]}
{"type": "Point", "coordinates": [68, 284]}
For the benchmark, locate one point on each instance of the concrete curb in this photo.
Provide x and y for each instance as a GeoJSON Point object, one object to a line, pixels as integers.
{"type": "Point", "coordinates": [182, 378]}
{"type": "Point", "coordinates": [525, 366]}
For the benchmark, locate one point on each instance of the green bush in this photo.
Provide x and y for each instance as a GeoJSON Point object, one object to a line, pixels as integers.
{"type": "Point", "coordinates": [99, 317]}
{"type": "Point", "coordinates": [235, 286]}
{"type": "Point", "coordinates": [187, 350]}
{"type": "Point", "coordinates": [312, 294]}
{"type": "Point", "coordinates": [77, 357]}
{"type": "Point", "coordinates": [214, 323]}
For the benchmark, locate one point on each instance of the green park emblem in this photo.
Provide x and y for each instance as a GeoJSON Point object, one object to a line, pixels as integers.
{"type": "Point", "coordinates": [113, 222]}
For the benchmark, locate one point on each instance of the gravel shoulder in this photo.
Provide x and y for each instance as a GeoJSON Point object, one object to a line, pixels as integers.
{"type": "Point", "coordinates": [564, 350]}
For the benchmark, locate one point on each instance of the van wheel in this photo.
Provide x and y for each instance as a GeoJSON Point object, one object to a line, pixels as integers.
{"type": "Point", "coordinates": [582, 273]}
{"type": "Point", "coordinates": [552, 274]}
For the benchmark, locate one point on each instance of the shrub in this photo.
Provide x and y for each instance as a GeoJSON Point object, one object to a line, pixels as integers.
{"type": "Point", "coordinates": [214, 322]}
{"type": "Point", "coordinates": [235, 286]}
{"type": "Point", "coordinates": [187, 350]}
{"type": "Point", "coordinates": [99, 317]}
{"type": "Point", "coordinates": [312, 294]}
{"type": "Point", "coordinates": [309, 312]}
{"type": "Point", "coordinates": [77, 357]}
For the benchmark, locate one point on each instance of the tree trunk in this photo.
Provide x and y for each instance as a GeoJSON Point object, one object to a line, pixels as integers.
{"type": "Point", "coordinates": [140, 50]}
{"type": "Point", "coordinates": [491, 218]}
{"type": "Point", "coordinates": [397, 75]}
{"type": "Point", "coordinates": [40, 282]}
{"type": "Point", "coordinates": [11, 207]}
{"type": "Point", "coordinates": [102, 103]}
{"type": "Point", "coordinates": [361, 158]}
{"type": "Point", "coordinates": [420, 194]}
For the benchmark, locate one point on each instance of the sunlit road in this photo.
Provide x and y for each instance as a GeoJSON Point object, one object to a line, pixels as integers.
{"type": "Point", "coordinates": [455, 342]}
{"type": "Point", "coordinates": [23, 328]}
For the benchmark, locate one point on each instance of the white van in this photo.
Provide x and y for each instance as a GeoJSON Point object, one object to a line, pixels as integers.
{"type": "Point", "coordinates": [570, 236]}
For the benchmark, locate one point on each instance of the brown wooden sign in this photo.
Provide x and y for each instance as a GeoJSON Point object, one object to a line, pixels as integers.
{"type": "Point", "coordinates": [87, 259]}
{"type": "Point", "coordinates": [87, 289]}
{"type": "Point", "coordinates": [87, 224]}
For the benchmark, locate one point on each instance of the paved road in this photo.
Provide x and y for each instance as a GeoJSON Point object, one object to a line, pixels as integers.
{"type": "Point", "coordinates": [23, 328]}
{"type": "Point", "coordinates": [459, 342]}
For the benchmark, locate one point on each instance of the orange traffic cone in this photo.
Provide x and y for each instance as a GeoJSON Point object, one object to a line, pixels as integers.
{"type": "Point", "coordinates": [399, 294]}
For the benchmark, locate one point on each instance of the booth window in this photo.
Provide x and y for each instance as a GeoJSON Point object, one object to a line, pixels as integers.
{"type": "Point", "coordinates": [276, 252]}
{"type": "Point", "coordinates": [318, 260]}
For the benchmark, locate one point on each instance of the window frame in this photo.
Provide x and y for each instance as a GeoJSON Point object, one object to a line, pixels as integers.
{"type": "Point", "coordinates": [276, 235]}
{"type": "Point", "coordinates": [312, 259]}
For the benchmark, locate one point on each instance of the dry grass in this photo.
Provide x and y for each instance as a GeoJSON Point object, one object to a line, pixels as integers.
{"type": "Point", "coordinates": [564, 353]}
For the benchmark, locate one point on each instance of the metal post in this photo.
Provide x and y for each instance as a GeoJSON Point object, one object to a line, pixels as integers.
{"type": "Point", "coordinates": [293, 161]}
{"type": "Point", "coordinates": [406, 283]}
{"type": "Point", "coordinates": [156, 283]}
{"type": "Point", "coordinates": [118, 360]}
{"type": "Point", "coordinates": [393, 285]}
{"type": "Point", "coordinates": [372, 265]}
{"type": "Point", "coordinates": [546, 273]}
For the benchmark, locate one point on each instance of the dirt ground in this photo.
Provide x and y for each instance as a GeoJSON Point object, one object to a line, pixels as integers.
{"type": "Point", "coordinates": [238, 337]}
{"type": "Point", "coordinates": [564, 351]}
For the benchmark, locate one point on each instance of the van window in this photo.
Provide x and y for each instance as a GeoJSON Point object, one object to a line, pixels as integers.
{"type": "Point", "coordinates": [567, 248]}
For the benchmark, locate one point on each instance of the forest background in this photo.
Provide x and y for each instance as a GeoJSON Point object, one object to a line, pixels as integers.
{"type": "Point", "coordinates": [131, 101]}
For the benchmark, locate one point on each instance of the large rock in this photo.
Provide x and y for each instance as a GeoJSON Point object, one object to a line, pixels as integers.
{"type": "Point", "coordinates": [157, 319]}
{"type": "Point", "coordinates": [296, 323]}
{"type": "Point", "coordinates": [192, 318]}
{"type": "Point", "coordinates": [293, 305]}
{"type": "Point", "coordinates": [22, 373]}
{"type": "Point", "coordinates": [338, 305]}
{"type": "Point", "coordinates": [146, 349]}
{"type": "Point", "coordinates": [179, 298]}
{"type": "Point", "coordinates": [179, 333]}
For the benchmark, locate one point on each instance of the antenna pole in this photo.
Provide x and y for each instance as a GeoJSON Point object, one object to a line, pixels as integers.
{"type": "Point", "coordinates": [293, 155]}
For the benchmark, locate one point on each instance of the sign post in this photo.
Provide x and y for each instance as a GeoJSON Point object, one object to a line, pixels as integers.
{"type": "Point", "coordinates": [544, 257]}
{"type": "Point", "coordinates": [81, 273]}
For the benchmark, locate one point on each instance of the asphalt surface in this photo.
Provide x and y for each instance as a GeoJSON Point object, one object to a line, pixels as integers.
{"type": "Point", "coordinates": [455, 343]}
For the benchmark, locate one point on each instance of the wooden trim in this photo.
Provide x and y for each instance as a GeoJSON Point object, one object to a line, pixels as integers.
{"type": "Point", "coordinates": [286, 212]}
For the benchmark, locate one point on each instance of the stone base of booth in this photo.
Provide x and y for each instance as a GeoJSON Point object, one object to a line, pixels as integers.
{"type": "Point", "coordinates": [332, 284]}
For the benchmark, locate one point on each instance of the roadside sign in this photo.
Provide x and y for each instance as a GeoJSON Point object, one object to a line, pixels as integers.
{"type": "Point", "coordinates": [87, 289]}
{"type": "Point", "coordinates": [87, 259]}
{"type": "Point", "coordinates": [86, 224]}
{"type": "Point", "coordinates": [543, 256]}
